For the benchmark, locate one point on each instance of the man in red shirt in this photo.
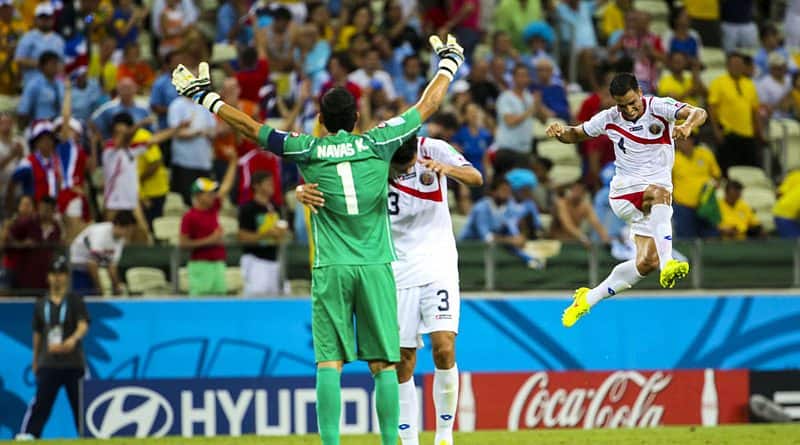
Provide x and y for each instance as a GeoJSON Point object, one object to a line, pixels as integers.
{"type": "Point", "coordinates": [202, 234]}
{"type": "Point", "coordinates": [599, 151]}
{"type": "Point", "coordinates": [252, 73]}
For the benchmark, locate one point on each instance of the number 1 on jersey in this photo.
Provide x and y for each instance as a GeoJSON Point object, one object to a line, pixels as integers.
{"type": "Point", "coordinates": [346, 173]}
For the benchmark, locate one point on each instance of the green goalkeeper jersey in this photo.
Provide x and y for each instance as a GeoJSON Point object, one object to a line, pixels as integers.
{"type": "Point", "coordinates": [353, 226]}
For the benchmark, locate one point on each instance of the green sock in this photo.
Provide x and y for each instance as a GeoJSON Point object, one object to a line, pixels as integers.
{"type": "Point", "coordinates": [387, 403]}
{"type": "Point", "coordinates": [329, 405]}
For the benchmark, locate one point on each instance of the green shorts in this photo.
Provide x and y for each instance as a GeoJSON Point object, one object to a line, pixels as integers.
{"type": "Point", "coordinates": [207, 278]}
{"type": "Point", "coordinates": [337, 294]}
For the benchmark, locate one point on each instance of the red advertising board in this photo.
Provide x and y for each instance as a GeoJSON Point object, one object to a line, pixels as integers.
{"type": "Point", "coordinates": [597, 399]}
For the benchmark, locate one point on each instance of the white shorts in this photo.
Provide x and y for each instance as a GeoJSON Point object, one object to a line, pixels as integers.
{"type": "Point", "coordinates": [626, 197]}
{"type": "Point", "coordinates": [432, 307]}
{"type": "Point", "coordinates": [261, 277]}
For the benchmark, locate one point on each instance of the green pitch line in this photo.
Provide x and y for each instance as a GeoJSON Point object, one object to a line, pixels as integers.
{"type": "Point", "coordinates": [788, 434]}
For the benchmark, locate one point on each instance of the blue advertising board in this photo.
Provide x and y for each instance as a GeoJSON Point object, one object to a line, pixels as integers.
{"type": "Point", "coordinates": [219, 339]}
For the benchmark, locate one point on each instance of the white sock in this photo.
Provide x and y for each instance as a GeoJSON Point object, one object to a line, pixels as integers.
{"type": "Point", "coordinates": [409, 432]}
{"type": "Point", "coordinates": [621, 278]}
{"type": "Point", "coordinates": [445, 399]}
{"type": "Point", "coordinates": [661, 225]}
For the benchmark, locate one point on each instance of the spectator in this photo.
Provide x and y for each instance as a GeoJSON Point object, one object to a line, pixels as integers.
{"type": "Point", "coordinates": [100, 246]}
{"type": "Point", "coordinates": [21, 236]}
{"type": "Point", "coordinates": [553, 94]}
{"type": "Point", "coordinates": [12, 152]}
{"type": "Point", "coordinates": [514, 15]}
{"type": "Point", "coordinates": [11, 30]}
{"type": "Point", "coordinates": [704, 17]}
{"type": "Point", "coordinates": [43, 93]}
{"type": "Point", "coordinates": [397, 29]}
{"type": "Point", "coordinates": [373, 77]}
{"type": "Point", "coordinates": [680, 85]}
{"type": "Point", "coordinates": [231, 24]}
{"type": "Point", "coordinates": [38, 41]}
{"type": "Point", "coordinates": [503, 49]}
{"type": "Point", "coordinates": [126, 23]}
{"type": "Point", "coordinates": [278, 40]}
{"type": "Point", "coordinates": [252, 73]}
{"type": "Point", "coordinates": [484, 92]}
{"type": "Point", "coordinates": [202, 234]}
{"type": "Point", "coordinates": [683, 39]}
{"type": "Point", "coordinates": [792, 24]}
{"type": "Point", "coordinates": [498, 73]}
{"type": "Point", "coordinates": [641, 45]}
{"type": "Point", "coordinates": [261, 229]}
{"type": "Point", "coordinates": [311, 55]}
{"type": "Point", "coordinates": [464, 22]}
{"type": "Point", "coordinates": [103, 67]}
{"type": "Point", "coordinates": [163, 93]}
{"type": "Point", "coordinates": [695, 168]}
{"type": "Point", "coordinates": [733, 108]}
{"type": "Point", "coordinates": [189, 14]}
{"type": "Point", "coordinates": [360, 21]}
{"type": "Point", "coordinates": [60, 322]}
{"type": "Point", "coordinates": [175, 25]}
{"type": "Point", "coordinates": [523, 182]}
{"type": "Point", "coordinates": [191, 147]}
{"type": "Point", "coordinates": [774, 89]}
{"type": "Point", "coordinates": [134, 67]}
{"type": "Point", "coordinates": [254, 161]}
{"type": "Point", "coordinates": [125, 103]}
{"type": "Point", "coordinates": [153, 177]}
{"type": "Point", "coordinates": [87, 95]}
{"type": "Point", "coordinates": [738, 219]}
{"type": "Point", "coordinates": [474, 139]}
{"type": "Point", "coordinates": [739, 28]}
{"type": "Point", "coordinates": [37, 173]}
{"type": "Point", "coordinates": [542, 194]}
{"type": "Point", "coordinates": [613, 17]}
{"type": "Point", "coordinates": [602, 208]}
{"type": "Point", "coordinates": [540, 38]}
{"type": "Point", "coordinates": [224, 137]}
{"type": "Point", "coordinates": [787, 208]}
{"type": "Point", "coordinates": [320, 15]}
{"type": "Point", "coordinates": [339, 66]}
{"type": "Point", "coordinates": [493, 219]}
{"type": "Point", "coordinates": [578, 37]}
{"type": "Point", "coordinates": [771, 44]}
{"type": "Point", "coordinates": [120, 164]}
{"type": "Point", "coordinates": [515, 111]}
{"type": "Point", "coordinates": [572, 210]}
{"type": "Point", "coordinates": [410, 83]}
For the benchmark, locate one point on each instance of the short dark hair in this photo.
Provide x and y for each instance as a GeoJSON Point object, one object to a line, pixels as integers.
{"type": "Point", "coordinates": [47, 57]}
{"type": "Point", "coordinates": [734, 185]}
{"type": "Point", "coordinates": [249, 57]}
{"type": "Point", "coordinates": [122, 118]}
{"type": "Point", "coordinates": [131, 45]}
{"type": "Point", "coordinates": [498, 182]}
{"type": "Point", "coordinates": [768, 29]}
{"type": "Point", "coordinates": [446, 120]}
{"type": "Point", "coordinates": [622, 83]}
{"type": "Point", "coordinates": [547, 163]}
{"type": "Point", "coordinates": [49, 200]}
{"type": "Point", "coordinates": [338, 108]}
{"type": "Point", "coordinates": [124, 218]}
{"type": "Point", "coordinates": [406, 152]}
{"type": "Point", "coordinates": [520, 66]}
{"type": "Point", "coordinates": [259, 177]}
{"type": "Point", "coordinates": [281, 13]}
{"type": "Point", "coordinates": [343, 59]}
{"type": "Point", "coordinates": [410, 57]}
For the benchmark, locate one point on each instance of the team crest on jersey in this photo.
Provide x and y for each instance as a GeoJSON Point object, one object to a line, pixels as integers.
{"type": "Point", "coordinates": [427, 178]}
{"type": "Point", "coordinates": [655, 128]}
{"type": "Point", "coordinates": [294, 134]}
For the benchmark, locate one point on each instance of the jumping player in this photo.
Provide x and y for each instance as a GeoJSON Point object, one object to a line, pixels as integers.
{"type": "Point", "coordinates": [351, 273]}
{"type": "Point", "coordinates": [426, 272]}
{"type": "Point", "coordinates": [643, 130]}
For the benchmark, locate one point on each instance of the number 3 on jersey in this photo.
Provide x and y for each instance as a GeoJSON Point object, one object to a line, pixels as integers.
{"type": "Point", "coordinates": [350, 198]}
{"type": "Point", "coordinates": [394, 207]}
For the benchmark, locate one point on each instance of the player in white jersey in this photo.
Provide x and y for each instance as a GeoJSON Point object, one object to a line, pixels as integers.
{"type": "Point", "coordinates": [426, 272]}
{"type": "Point", "coordinates": [643, 130]}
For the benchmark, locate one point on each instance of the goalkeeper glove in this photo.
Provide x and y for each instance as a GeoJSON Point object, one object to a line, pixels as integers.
{"type": "Point", "coordinates": [451, 55]}
{"type": "Point", "coordinates": [197, 88]}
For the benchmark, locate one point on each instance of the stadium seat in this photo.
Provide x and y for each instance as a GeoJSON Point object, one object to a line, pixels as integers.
{"type": "Point", "coordinates": [562, 175]}
{"type": "Point", "coordinates": [539, 127]}
{"type": "Point", "coordinates": [712, 57]}
{"type": "Point", "coordinates": [222, 53]}
{"type": "Point", "coordinates": [167, 229]}
{"type": "Point", "coordinates": [657, 9]}
{"type": "Point", "coordinates": [183, 280]}
{"type": "Point", "coordinates": [234, 280]}
{"type": "Point", "coordinates": [767, 221]}
{"type": "Point", "coordinates": [459, 221]}
{"type": "Point", "coordinates": [173, 205]}
{"type": "Point", "coordinates": [147, 281]}
{"type": "Point", "coordinates": [299, 288]}
{"type": "Point", "coordinates": [575, 101]}
{"type": "Point", "coordinates": [542, 249]}
{"type": "Point", "coordinates": [709, 74]}
{"type": "Point", "coordinates": [105, 282]}
{"type": "Point", "coordinates": [750, 176]}
{"type": "Point", "coordinates": [228, 209]}
{"type": "Point", "coordinates": [8, 103]}
{"type": "Point", "coordinates": [230, 226]}
{"type": "Point", "coordinates": [546, 220]}
{"type": "Point", "coordinates": [760, 199]}
{"type": "Point", "coordinates": [559, 153]}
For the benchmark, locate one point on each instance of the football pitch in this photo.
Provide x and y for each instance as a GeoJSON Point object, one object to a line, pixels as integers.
{"type": "Point", "coordinates": [787, 434]}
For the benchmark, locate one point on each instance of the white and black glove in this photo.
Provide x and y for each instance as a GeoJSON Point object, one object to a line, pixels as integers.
{"type": "Point", "coordinates": [451, 54]}
{"type": "Point", "coordinates": [196, 88]}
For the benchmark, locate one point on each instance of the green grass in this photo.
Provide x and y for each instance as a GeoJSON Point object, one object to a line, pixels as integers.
{"type": "Point", "coordinates": [732, 435]}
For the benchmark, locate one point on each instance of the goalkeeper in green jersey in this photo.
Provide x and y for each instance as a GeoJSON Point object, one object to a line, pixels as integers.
{"type": "Point", "coordinates": [352, 274]}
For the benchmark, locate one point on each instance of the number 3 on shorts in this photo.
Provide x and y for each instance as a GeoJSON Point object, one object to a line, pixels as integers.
{"type": "Point", "coordinates": [445, 300]}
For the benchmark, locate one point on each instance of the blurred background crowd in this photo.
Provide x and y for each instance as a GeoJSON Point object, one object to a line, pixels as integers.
{"type": "Point", "coordinates": [97, 149]}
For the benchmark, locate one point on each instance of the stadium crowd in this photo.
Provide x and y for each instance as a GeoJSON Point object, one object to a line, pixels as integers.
{"type": "Point", "coordinates": [97, 149]}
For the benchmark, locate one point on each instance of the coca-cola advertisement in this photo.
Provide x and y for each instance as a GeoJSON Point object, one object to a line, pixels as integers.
{"type": "Point", "coordinates": [578, 399]}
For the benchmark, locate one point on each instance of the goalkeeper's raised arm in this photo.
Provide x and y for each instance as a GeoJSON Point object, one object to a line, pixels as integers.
{"type": "Point", "coordinates": [198, 88]}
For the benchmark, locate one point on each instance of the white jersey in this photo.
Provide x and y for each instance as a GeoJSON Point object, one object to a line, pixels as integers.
{"type": "Point", "coordinates": [421, 225]}
{"type": "Point", "coordinates": [97, 243]}
{"type": "Point", "coordinates": [644, 149]}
